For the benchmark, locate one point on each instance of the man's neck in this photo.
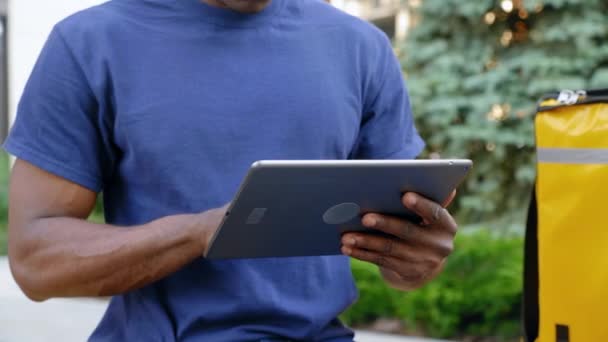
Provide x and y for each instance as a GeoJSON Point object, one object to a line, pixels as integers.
{"type": "Point", "coordinates": [244, 6]}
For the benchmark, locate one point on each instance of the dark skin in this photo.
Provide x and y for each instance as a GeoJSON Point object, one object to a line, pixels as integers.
{"type": "Point", "coordinates": [412, 254]}
{"type": "Point", "coordinates": [244, 6]}
{"type": "Point", "coordinates": [55, 252]}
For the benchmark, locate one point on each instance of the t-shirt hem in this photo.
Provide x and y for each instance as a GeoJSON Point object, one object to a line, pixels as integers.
{"type": "Point", "coordinates": [410, 151]}
{"type": "Point", "coordinates": [53, 166]}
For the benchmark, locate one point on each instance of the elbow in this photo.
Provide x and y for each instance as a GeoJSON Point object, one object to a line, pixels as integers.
{"type": "Point", "coordinates": [24, 268]}
{"type": "Point", "coordinates": [26, 279]}
{"type": "Point", "coordinates": [30, 286]}
{"type": "Point", "coordinates": [33, 296]}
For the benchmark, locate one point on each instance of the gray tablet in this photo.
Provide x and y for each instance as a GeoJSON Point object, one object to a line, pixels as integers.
{"type": "Point", "coordinates": [301, 208]}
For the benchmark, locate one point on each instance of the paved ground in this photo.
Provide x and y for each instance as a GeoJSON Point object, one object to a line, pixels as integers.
{"type": "Point", "coordinates": [71, 320]}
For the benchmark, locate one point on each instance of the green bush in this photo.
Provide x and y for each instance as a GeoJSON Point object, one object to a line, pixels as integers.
{"type": "Point", "coordinates": [475, 72]}
{"type": "Point", "coordinates": [97, 214]}
{"type": "Point", "coordinates": [3, 239]}
{"type": "Point", "coordinates": [376, 300]}
{"type": "Point", "coordinates": [4, 170]}
{"type": "Point", "coordinates": [478, 294]}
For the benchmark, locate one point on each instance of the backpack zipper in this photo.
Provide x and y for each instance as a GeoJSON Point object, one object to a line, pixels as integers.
{"type": "Point", "coordinates": [571, 97]}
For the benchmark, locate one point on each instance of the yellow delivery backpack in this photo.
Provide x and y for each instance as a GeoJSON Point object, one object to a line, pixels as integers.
{"type": "Point", "coordinates": [566, 261]}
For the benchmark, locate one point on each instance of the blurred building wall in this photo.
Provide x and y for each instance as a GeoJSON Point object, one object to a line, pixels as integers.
{"type": "Point", "coordinates": [389, 15]}
{"type": "Point", "coordinates": [3, 71]}
{"type": "Point", "coordinates": [29, 23]}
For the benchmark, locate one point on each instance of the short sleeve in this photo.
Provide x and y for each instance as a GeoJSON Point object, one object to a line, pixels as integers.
{"type": "Point", "coordinates": [59, 126]}
{"type": "Point", "coordinates": [387, 127]}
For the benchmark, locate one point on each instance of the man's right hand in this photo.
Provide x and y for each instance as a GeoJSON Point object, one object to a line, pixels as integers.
{"type": "Point", "coordinates": [212, 219]}
{"type": "Point", "coordinates": [55, 252]}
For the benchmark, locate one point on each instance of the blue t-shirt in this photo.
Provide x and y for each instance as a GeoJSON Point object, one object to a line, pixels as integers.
{"type": "Point", "coordinates": [164, 105]}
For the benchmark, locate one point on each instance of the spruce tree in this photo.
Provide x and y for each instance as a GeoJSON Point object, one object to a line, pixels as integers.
{"type": "Point", "coordinates": [475, 70]}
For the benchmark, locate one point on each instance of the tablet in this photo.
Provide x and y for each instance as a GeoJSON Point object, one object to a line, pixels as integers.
{"type": "Point", "coordinates": [301, 208]}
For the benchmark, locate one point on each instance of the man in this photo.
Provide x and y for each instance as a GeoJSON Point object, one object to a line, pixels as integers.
{"type": "Point", "coordinates": [163, 105]}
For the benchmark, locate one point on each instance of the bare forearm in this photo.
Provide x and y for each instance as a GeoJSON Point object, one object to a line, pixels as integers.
{"type": "Point", "coordinates": [66, 257]}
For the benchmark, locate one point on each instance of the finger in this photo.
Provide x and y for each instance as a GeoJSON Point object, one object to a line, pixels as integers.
{"type": "Point", "coordinates": [450, 199]}
{"type": "Point", "coordinates": [432, 213]}
{"type": "Point", "coordinates": [409, 233]}
{"type": "Point", "coordinates": [379, 259]}
{"type": "Point", "coordinates": [385, 245]}
{"type": "Point", "coordinates": [402, 229]}
{"type": "Point", "coordinates": [409, 271]}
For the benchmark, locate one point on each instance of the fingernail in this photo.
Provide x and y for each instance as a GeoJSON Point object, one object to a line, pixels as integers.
{"type": "Point", "coordinates": [347, 251]}
{"type": "Point", "coordinates": [371, 221]}
{"type": "Point", "coordinates": [349, 241]}
{"type": "Point", "coordinates": [411, 199]}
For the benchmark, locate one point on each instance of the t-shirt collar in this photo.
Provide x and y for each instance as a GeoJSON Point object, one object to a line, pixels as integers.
{"type": "Point", "coordinates": [226, 17]}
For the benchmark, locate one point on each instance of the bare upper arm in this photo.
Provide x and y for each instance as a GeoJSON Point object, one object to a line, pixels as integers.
{"type": "Point", "coordinates": [35, 193]}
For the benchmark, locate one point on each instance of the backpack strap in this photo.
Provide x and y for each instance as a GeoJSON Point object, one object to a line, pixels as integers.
{"type": "Point", "coordinates": [530, 295]}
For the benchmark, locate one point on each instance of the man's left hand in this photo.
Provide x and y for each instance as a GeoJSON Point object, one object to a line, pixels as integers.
{"type": "Point", "coordinates": [410, 255]}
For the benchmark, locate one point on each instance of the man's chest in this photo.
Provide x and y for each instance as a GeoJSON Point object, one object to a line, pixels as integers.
{"type": "Point", "coordinates": [235, 96]}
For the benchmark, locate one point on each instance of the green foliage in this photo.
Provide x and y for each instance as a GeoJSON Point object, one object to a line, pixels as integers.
{"type": "Point", "coordinates": [475, 73]}
{"type": "Point", "coordinates": [478, 294]}
{"type": "Point", "coordinates": [3, 240]}
{"type": "Point", "coordinates": [4, 171]}
{"type": "Point", "coordinates": [376, 299]}
{"type": "Point", "coordinates": [97, 214]}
